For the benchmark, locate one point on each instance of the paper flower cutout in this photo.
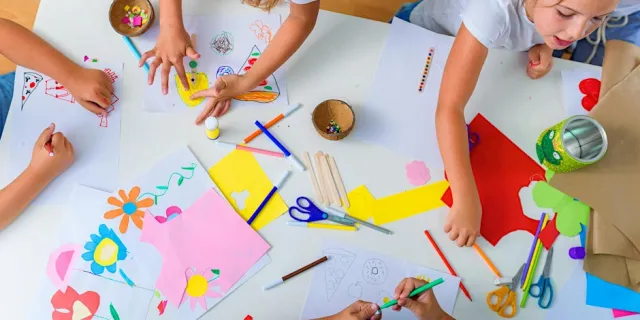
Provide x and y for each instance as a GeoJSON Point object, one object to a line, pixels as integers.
{"type": "Point", "coordinates": [418, 173]}
{"type": "Point", "coordinates": [199, 286]}
{"type": "Point", "coordinates": [104, 250]}
{"type": "Point", "coordinates": [570, 213]}
{"type": "Point", "coordinates": [73, 306]}
{"type": "Point", "coordinates": [128, 208]}
{"type": "Point", "coordinates": [590, 87]}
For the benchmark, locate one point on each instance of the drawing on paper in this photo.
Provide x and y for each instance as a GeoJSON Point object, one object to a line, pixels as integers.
{"type": "Point", "coordinates": [104, 122]}
{"type": "Point", "coordinates": [336, 267]}
{"type": "Point", "coordinates": [374, 271]}
{"type": "Point", "coordinates": [199, 82]}
{"type": "Point", "coordinates": [199, 286]}
{"type": "Point", "coordinates": [223, 71]}
{"type": "Point", "coordinates": [355, 290]}
{"type": "Point", "coordinates": [162, 305]}
{"type": "Point", "coordinates": [60, 262]}
{"type": "Point", "coordinates": [163, 189]}
{"type": "Point", "coordinates": [240, 198]}
{"type": "Point", "coordinates": [222, 44]}
{"type": "Point", "coordinates": [590, 87]}
{"type": "Point", "coordinates": [129, 207]}
{"type": "Point", "coordinates": [111, 74]}
{"type": "Point", "coordinates": [113, 312]}
{"type": "Point", "coordinates": [546, 149]}
{"type": "Point", "coordinates": [54, 89]}
{"type": "Point", "coordinates": [104, 250]}
{"type": "Point", "coordinates": [267, 90]}
{"type": "Point", "coordinates": [261, 31]}
{"type": "Point", "coordinates": [31, 82]}
{"type": "Point", "coordinates": [170, 213]}
{"type": "Point", "coordinates": [71, 305]}
{"type": "Point", "coordinates": [383, 297]}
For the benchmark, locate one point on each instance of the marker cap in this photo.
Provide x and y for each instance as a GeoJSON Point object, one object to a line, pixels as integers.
{"type": "Point", "coordinates": [211, 123]}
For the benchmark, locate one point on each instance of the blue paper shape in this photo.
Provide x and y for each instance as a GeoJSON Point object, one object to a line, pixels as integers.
{"type": "Point", "coordinates": [604, 294]}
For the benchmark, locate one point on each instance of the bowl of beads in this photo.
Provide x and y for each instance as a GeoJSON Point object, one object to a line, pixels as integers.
{"type": "Point", "coordinates": [333, 119]}
{"type": "Point", "coordinates": [131, 18]}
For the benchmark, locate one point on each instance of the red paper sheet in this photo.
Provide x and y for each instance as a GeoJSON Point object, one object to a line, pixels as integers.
{"type": "Point", "coordinates": [501, 169]}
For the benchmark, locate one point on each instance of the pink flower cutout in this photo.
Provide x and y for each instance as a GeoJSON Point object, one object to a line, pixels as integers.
{"type": "Point", "coordinates": [418, 173]}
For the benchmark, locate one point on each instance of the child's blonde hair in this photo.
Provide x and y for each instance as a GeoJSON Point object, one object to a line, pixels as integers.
{"type": "Point", "coordinates": [265, 5]}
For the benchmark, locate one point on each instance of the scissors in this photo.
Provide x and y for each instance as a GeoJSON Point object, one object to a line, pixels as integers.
{"type": "Point", "coordinates": [505, 297]}
{"type": "Point", "coordinates": [543, 285]}
{"type": "Point", "coordinates": [474, 138]}
{"type": "Point", "coordinates": [311, 213]}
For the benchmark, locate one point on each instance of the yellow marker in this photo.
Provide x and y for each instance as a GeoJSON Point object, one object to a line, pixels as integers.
{"type": "Point", "coordinates": [321, 225]}
{"type": "Point", "coordinates": [212, 128]}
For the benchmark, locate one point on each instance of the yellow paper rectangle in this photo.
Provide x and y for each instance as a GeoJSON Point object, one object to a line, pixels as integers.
{"type": "Point", "coordinates": [240, 171]}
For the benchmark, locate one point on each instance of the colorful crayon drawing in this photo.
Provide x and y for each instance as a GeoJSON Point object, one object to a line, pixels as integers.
{"type": "Point", "coordinates": [31, 82]}
{"type": "Point", "coordinates": [222, 44]}
{"type": "Point", "coordinates": [104, 121]}
{"type": "Point", "coordinates": [199, 81]}
{"type": "Point", "coordinates": [55, 89]}
{"type": "Point", "coordinates": [223, 71]}
{"type": "Point", "coordinates": [262, 31]}
{"type": "Point", "coordinates": [267, 90]}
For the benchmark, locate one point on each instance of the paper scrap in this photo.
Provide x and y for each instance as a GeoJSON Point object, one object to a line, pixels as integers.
{"type": "Point", "coordinates": [240, 171]}
{"type": "Point", "coordinates": [398, 206]}
{"type": "Point", "coordinates": [578, 95]}
{"type": "Point", "coordinates": [571, 213]}
{"type": "Point", "coordinates": [621, 313]}
{"type": "Point", "coordinates": [417, 173]}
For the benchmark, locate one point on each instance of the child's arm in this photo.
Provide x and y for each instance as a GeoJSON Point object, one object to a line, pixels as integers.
{"type": "Point", "coordinates": [91, 88]}
{"type": "Point", "coordinates": [16, 196]}
{"type": "Point", "coordinates": [461, 74]}
{"type": "Point", "coordinates": [293, 32]}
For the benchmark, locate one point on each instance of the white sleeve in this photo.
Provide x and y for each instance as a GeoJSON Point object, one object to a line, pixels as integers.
{"type": "Point", "coordinates": [487, 21]}
{"type": "Point", "coordinates": [302, 1]}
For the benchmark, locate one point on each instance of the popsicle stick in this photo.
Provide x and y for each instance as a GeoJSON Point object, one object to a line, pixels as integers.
{"type": "Point", "coordinates": [312, 176]}
{"type": "Point", "coordinates": [326, 199]}
{"type": "Point", "coordinates": [335, 198]}
{"type": "Point", "coordinates": [338, 180]}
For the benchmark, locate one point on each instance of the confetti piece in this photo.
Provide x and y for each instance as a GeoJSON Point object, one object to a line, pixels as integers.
{"type": "Point", "coordinates": [125, 20]}
{"type": "Point", "coordinates": [137, 21]}
{"type": "Point", "coordinates": [86, 58]}
{"type": "Point", "coordinates": [94, 60]}
{"type": "Point", "coordinates": [248, 317]}
{"type": "Point", "coordinates": [126, 8]}
{"type": "Point", "coordinates": [135, 10]}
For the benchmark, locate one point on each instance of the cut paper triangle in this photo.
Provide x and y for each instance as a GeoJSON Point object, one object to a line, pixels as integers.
{"type": "Point", "coordinates": [267, 90]}
{"type": "Point", "coordinates": [500, 170]}
{"type": "Point", "coordinates": [60, 262]}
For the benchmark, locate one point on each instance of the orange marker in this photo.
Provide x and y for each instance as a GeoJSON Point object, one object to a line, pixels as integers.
{"type": "Point", "coordinates": [273, 121]}
{"type": "Point", "coordinates": [486, 260]}
{"type": "Point", "coordinates": [446, 263]}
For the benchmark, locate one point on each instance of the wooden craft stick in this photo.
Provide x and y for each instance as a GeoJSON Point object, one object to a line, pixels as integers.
{"type": "Point", "coordinates": [335, 198]}
{"type": "Point", "coordinates": [312, 176]}
{"type": "Point", "coordinates": [338, 180]}
{"type": "Point", "coordinates": [326, 199]}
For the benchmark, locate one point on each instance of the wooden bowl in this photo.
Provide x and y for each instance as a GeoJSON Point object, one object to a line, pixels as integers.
{"type": "Point", "coordinates": [338, 111]}
{"type": "Point", "coordinates": [117, 13]}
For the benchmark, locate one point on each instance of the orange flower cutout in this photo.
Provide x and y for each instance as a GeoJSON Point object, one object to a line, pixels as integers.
{"type": "Point", "coordinates": [128, 208]}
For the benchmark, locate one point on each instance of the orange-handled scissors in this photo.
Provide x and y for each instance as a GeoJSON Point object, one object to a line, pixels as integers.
{"type": "Point", "coordinates": [505, 297]}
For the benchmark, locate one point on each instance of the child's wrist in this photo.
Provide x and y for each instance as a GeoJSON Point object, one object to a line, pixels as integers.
{"type": "Point", "coordinates": [34, 174]}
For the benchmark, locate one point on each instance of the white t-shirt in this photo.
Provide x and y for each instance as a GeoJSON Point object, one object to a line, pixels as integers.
{"type": "Point", "coordinates": [495, 23]}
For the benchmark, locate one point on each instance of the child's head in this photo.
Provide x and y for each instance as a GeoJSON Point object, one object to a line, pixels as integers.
{"type": "Point", "coordinates": [262, 4]}
{"type": "Point", "coordinates": [562, 22]}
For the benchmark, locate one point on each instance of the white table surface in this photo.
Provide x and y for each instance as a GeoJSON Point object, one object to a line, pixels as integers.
{"type": "Point", "coordinates": [339, 60]}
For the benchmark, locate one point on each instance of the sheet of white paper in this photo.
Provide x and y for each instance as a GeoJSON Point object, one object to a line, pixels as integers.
{"type": "Point", "coordinates": [571, 95]}
{"type": "Point", "coordinates": [84, 216]}
{"type": "Point", "coordinates": [96, 141]}
{"type": "Point", "coordinates": [570, 301]}
{"type": "Point", "coordinates": [396, 115]}
{"type": "Point", "coordinates": [226, 44]}
{"type": "Point", "coordinates": [355, 274]}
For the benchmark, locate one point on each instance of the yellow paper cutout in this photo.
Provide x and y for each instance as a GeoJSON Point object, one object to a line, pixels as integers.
{"type": "Point", "coordinates": [197, 82]}
{"type": "Point", "coordinates": [239, 171]}
{"type": "Point", "coordinates": [398, 206]}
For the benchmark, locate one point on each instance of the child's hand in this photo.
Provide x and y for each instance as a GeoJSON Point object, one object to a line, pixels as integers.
{"type": "Point", "coordinates": [424, 306]}
{"type": "Point", "coordinates": [359, 310]}
{"type": "Point", "coordinates": [540, 61]}
{"type": "Point", "coordinates": [172, 46]}
{"type": "Point", "coordinates": [463, 220]}
{"type": "Point", "coordinates": [91, 88]}
{"type": "Point", "coordinates": [219, 96]}
{"type": "Point", "coordinates": [48, 167]}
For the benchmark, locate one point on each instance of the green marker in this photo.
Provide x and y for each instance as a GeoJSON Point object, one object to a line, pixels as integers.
{"type": "Point", "coordinates": [414, 293]}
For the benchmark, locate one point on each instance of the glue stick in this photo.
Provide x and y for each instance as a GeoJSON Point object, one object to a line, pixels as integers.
{"type": "Point", "coordinates": [212, 128]}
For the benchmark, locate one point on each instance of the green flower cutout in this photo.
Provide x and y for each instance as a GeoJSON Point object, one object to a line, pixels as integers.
{"type": "Point", "coordinates": [570, 213]}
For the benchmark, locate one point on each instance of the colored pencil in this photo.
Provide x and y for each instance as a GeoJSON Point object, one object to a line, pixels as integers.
{"type": "Point", "coordinates": [321, 225]}
{"type": "Point", "coordinates": [446, 263]}
{"type": "Point", "coordinates": [486, 260]}
{"type": "Point", "coordinates": [295, 273]}
{"type": "Point", "coordinates": [251, 149]}
{"type": "Point", "coordinates": [533, 245]}
{"type": "Point", "coordinates": [135, 51]}
{"type": "Point", "coordinates": [532, 270]}
{"type": "Point", "coordinates": [273, 121]}
{"type": "Point", "coordinates": [268, 197]}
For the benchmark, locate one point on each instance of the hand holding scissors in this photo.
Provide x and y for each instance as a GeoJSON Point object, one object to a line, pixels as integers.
{"type": "Point", "coordinates": [543, 286]}
{"type": "Point", "coordinates": [505, 297]}
{"type": "Point", "coordinates": [307, 211]}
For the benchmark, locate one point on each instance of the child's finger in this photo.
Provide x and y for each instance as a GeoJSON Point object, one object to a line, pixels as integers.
{"type": "Point", "coordinates": [166, 69]}
{"type": "Point", "coordinates": [206, 93]}
{"type": "Point", "coordinates": [462, 239]}
{"type": "Point", "coordinates": [192, 53]}
{"type": "Point", "coordinates": [453, 234]}
{"type": "Point", "coordinates": [396, 308]}
{"type": "Point", "coordinates": [153, 66]}
{"type": "Point", "coordinates": [209, 105]}
{"type": "Point", "coordinates": [225, 107]}
{"type": "Point", "coordinates": [534, 56]}
{"type": "Point", "coordinates": [399, 287]}
{"type": "Point", "coordinates": [46, 134]}
{"type": "Point", "coordinates": [57, 140]}
{"type": "Point", "coordinates": [407, 288]}
{"type": "Point", "coordinates": [471, 240]}
{"type": "Point", "coordinates": [182, 75]}
{"type": "Point", "coordinates": [92, 107]}
{"type": "Point", "coordinates": [146, 56]}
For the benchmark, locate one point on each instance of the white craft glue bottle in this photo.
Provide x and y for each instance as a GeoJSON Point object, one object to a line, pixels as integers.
{"type": "Point", "coordinates": [212, 128]}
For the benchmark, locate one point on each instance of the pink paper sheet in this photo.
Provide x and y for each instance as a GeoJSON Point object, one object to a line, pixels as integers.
{"type": "Point", "coordinates": [208, 235]}
{"type": "Point", "coordinates": [621, 313]}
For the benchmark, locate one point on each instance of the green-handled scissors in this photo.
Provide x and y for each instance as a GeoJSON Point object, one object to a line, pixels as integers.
{"type": "Point", "coordinates": [543, 286]}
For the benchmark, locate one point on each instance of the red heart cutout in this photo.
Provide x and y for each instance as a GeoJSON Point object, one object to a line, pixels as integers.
{"type": "Point", "coordinates": [590, 87]}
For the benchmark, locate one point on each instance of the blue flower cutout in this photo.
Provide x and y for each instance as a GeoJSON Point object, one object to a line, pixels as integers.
{"type": "Point", "coordinates": [104, 250]}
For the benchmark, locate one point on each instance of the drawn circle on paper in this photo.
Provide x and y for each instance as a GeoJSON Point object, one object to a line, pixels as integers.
{"type": "Point", "coordinates": [345, 260]}
{"type": "Point", "coordinates": [330, 270]}
{"type": "Point", "coordinates": [339, 273]}
{"type": "Point", "coordinates": [374, 271]}
{"type": "Point", "coordinates": [330, 285]}
{"type": "Point", "coordinates": [222, 44]}
{"type": "Point", "coordinates": [224, 71]}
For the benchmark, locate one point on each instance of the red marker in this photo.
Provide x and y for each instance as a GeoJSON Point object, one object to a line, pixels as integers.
{"type": "Point", "coordinates": [49, 148]}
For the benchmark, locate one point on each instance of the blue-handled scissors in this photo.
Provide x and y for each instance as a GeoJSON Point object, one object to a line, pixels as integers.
{"type": "Point", "coordinates": [474, 138]}
{"type": "Point", "coordinates": [543, 287]}
{"type": "Point", "coordinates": [307, 211]}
